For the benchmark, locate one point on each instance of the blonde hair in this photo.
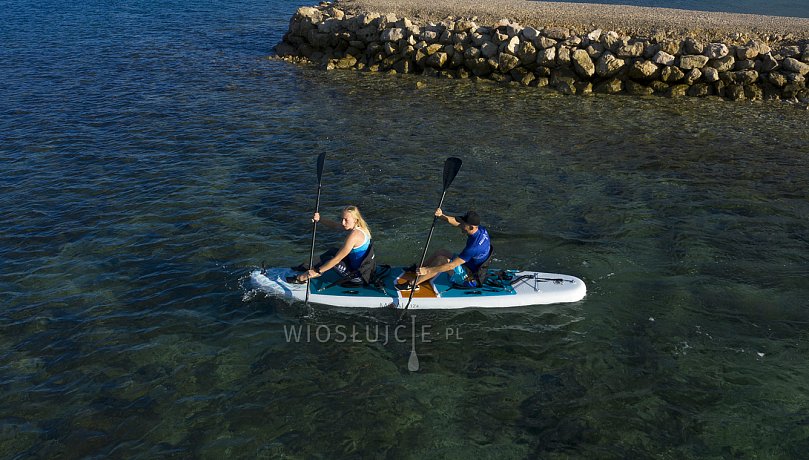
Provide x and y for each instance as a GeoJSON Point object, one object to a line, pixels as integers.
{"type": "Point", "coordinates": [355, 213]}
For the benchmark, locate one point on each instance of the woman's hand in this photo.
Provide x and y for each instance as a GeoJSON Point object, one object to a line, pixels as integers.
{"type": "Point", "coordinates": [439, 213]}
{"type": "Point", "coordinates": [316, 217]}
{"type": "Point", "coordinates": [423, 271]}
{"type": "Point", "coordinates": [308, 275]}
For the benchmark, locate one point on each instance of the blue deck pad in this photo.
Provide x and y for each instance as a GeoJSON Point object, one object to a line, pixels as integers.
{"type": "Point", "coordinates": [442, 284]}
{"type": "Point", "coordinates": [320, 285]}
{"type": "Point", "coordinates": [445, 289]}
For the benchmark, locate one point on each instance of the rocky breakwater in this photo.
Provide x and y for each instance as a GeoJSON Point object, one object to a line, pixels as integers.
{"type": "Point", "coordinates": [570, 61]}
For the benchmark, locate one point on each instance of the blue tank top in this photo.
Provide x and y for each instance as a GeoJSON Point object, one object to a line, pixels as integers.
{"type": "Point", "coordinates": [356, 255]}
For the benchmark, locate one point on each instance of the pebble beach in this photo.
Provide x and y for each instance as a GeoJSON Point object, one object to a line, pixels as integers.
{"type": "Point", "coordinates": [583, 17]}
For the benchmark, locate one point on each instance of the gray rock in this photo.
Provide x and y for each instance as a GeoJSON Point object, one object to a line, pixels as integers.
{"type": "Point", "coordinates": [488, 50]}
{"type": "Point", "coordinates": [346, 62]}
{"type": "Point", "coordinates": [691, 46]}
{"type": "Point", "coordinates": [594, 36]}
{"type": "Point", "coordinates": [716, 50]}
{"type": "Point", "coordinates": [710, 74]}
{"type": "Point", "coordinates": [794, 65]}
{"type": "Point", "coordinates": [392, 35]}
{"type": "Point", "coordinates": [672, 47]}
{"type": "Point", "coordinates": [545, 42]}
{"type": "Point", "coordinates": [611, 41]}
{"type": "Point", "coordinates": [465, 26]}
{"type": "Point", "coordinates": [690, 61]}
{"type": "Point", "coordinates": [609, 65]}
{"type": "Point", "coordinates": [671, 74]}
{"type": "Point", "coordinates": [583, 64]}
{"type": "Point", "coordinates": [663, 58]}
{"type": "Point", "coordinates": [522, 76]}
{"type": "Point", "coordinates": [746, 64]}
{"type": "Point", "coordinates": [499, 37]}
{"type": "Point", "coordinates": [643, 70]}
{"type": "Point", "coordinates": [547, 57]}
{"type": "Point", "coordinates": [746, 52]}
{"type": "Point", "coordinates": [512, 45]}
{"type": "Point", "coordinates": [722, 64]}
{"type": "Point", "coordinates": [479, 66]}
{"type": "Point", "coordinates": [658, 86]}
{"type": "Point", "coordinates": [527, 53]}
{"type": "Point", "coordinates": [563, 56]}
{"type": "Point", "coordinates": [314, 15]}
{"type": "Point", "coordinates": [631, 50]}
{"type": "Point", "coordinates": [611, 86]}
{"type": "Point", "coordinates": [735, 92]}
{"type": "Point", "coordinates": [513, 30]}
{"type": "Point", "coordinates": [430, 36]}
{"type": "Point", "coordinates": [436, 60]}
{"type": "Point", "coordinates": [471, 53]}
{"type": "Point", "coordinates": [768, 63]}
{"type": "Point", "coordinates": [692, 76]}
{"type": "Point", "coordinates": [676, 91]}
{"type": "Point", "coordinates": [651, 50]}
{"type": "Point", "coordinates": [404, 23]}
{"type": "Point", "coordinates": [506, 62]}
{"type": "Point", "coordinates": [529, 33]}
{"type": "Point", "coordinates": [556, 33]}
{"type": "Point", "coordinates": [595, 50]}
{"type": "Point", "coordinates": [700, 90]}
{"type": "Point", "coordinates": [745, 77]}
{"type": "Point", "coordinates": [368, 34]}
{"type": "Point", "coordinates": [789, 51]}
{"type": "Point", "coordinates": [753, 93]}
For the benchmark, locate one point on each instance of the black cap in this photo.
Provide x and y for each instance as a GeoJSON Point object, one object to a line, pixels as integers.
{"type": "Point", "coordinates": [470, 218]}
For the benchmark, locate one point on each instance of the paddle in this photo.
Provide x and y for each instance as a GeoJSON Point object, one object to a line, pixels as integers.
{"type": "Point", "coordinates": [320, 159]}
{"type": "Point", "coordinates": [451, 167]}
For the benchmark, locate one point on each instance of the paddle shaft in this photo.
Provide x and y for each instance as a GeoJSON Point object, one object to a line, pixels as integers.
{"type": "Point", "coordinates": [424, 254]}
{"type": "Point", "coordinates": [314, 232]}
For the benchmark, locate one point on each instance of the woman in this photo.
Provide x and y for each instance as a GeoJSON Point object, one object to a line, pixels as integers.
{"type": "Point", "coordinates": [349, 257]}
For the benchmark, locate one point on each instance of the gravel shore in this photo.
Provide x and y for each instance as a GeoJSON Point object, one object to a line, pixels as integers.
{"type": "Point", "coordinates": [584, 17]}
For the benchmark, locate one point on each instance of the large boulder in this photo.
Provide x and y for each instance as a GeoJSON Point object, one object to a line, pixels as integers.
{"type": "Point", "coordinates": [583, 64]}
{"type": "Point", "coordinates": [609, 65]}
{"type": "Point", "coordinates": [392, 35]}
{"type": "Point", "coordinates": [643, 70]}
{"type": "Point", "coordinates": [556, 33]}
{"type": "Point", "coordinates": [663, 58]}
{"type": "Point", "coordinates": [671, 74]}
{"type": "Point", "coordinates": [547, 57]}
{"type": "Point", "coordinates": [722, 64]}
{"type": "Point", "coordinates": [716, 50]}
{"type": "Point", "coordinates": [692, 61]}
{"type": "Point", "coordinates": [507, 62]}
{"type": "Point", "coordinates": [794, 65]}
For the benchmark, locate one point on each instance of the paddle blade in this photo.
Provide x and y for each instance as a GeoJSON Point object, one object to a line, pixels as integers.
{"type": "Point", "coordinates": [451, 167]}
{"type": "Point", "coordinates": [320, 160]}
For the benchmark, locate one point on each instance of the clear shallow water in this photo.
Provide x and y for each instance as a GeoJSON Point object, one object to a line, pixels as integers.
{"type": "Point", "coordinates": [152, 156]}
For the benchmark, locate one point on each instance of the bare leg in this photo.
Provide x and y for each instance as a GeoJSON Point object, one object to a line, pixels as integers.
{"type": "Point", "coordinates": [439, 257]}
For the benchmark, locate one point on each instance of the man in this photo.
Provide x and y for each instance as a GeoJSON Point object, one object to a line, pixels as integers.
{"type": "Point", "coordinates": [462, 267]}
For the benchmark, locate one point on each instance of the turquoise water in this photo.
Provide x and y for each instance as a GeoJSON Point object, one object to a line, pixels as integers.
{"type": "Point", "coordinates": [151, 157]}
